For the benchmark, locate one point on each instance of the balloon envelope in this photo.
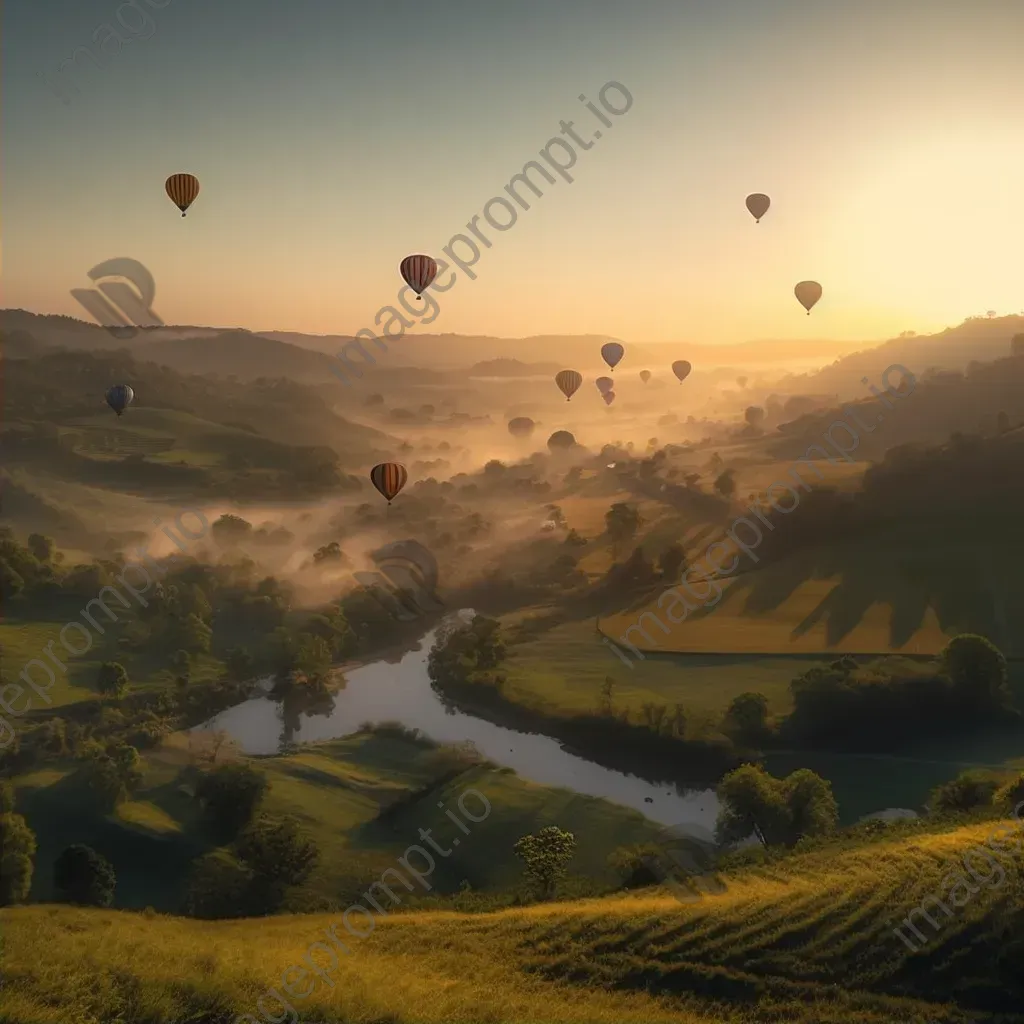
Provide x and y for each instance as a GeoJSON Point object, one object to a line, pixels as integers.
{"type": "Point", "coordinates": [645, 375]}
{"type": "Point", "coordinates": [521, 426]}
{"type": "Point", "coordinates": [182, 190]}
{"type": "Point", "coordinates": [389, 478]}
{"type": "Point", "coordinates": [612, 352]}
{"type": "Point", "coordinates": [568, 382]}
{"type": "Point", "coordinates": [758, 204]}
{"type": "Point", "coordinates": [419, 272]}
{"type": "Point", "coordinates": [681, 368]}
{"type": "Point", "coordinates": [561, 439]}
{"type": "Point", "coordinates": [604, 384]}
{"type": "Point", "coordinates": [609, 397]}
{"type": "Point", "coordinates": [119, 397]}
{"type": "Point", "coordinates": [807, 293]}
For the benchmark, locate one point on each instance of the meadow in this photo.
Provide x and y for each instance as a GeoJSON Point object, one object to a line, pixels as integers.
{"type": "Point", "coordinates": [805, 940]}
{"type": "Point", "coordinates": [339, 792]}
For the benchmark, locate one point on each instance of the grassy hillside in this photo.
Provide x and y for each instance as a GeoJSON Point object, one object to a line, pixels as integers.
{"type": "Point", "coordinates": [338, 791]}
{"type": "Point", "coordinates": [808, 940]}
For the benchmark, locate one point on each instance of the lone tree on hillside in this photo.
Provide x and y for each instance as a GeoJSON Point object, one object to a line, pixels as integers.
{"type": "Point", "coordinates": [622, 522]}
{"type": "Point", "coordinates": [545, 856]}
{"type": "Point", "coordinates": [112, 679]}
{"type": "Point", "coordinates": [81, 875]}
{"type": "Point", "coordinates": [978, 670]}
{"type": "Point", "coordinates": [725, 484]}
{"type": "Point", "coordinates": [780, 811]}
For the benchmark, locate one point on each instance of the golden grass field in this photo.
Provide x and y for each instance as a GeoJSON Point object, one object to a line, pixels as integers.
{"type": "Point", "coordinates": [807, 941]}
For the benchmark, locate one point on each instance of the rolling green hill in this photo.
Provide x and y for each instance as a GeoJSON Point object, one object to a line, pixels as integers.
{"type": "Point", "coordinates": [808, 940]}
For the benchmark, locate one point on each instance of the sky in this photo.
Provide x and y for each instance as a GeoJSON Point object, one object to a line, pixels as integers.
{"type": "Point", "coordinates": [333, 138]}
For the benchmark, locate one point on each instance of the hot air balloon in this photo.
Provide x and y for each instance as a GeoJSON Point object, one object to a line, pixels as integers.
{"type": "Point", "coordinates": [419, 272]}
{"type": "Point", "coordinates": [681, 368]}
{"type": "Point", "coordinates": [807, 293]}
{"type": "Point", "coordinates": [182, 190]}
{"type": "Point", "coordinates": [521, 426]}
{"type": "Point", "coordinates": [561, 440]}
{"type": "Point", "coordinates": [604, 384]}
{"type": "Point", "coordinates": [612, 352]}
{"type": "Point", "coordinates": [609, 397]}
{"type": "Point", "coordinates": [758, 204]}
{"type": "Point", "coordinates": [119, 397]}
{"type": "Point", "coordinates": [389, 478]}
{"type": "Point", "coordinates": [568, 382]}
{"type": "Point", "coordinates": [645, 375]}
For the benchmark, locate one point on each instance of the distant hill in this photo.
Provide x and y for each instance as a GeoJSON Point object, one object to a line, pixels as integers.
{"type": "Point", "coordinates": [450, 351]}
{"type": "Point", "coordinates": [975, 340]}
{"type": "Point", "coordinates": [201, 435]}
{"type": "Point", "coordinates": [512, 368]}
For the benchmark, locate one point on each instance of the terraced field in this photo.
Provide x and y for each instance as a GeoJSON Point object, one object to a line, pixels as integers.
{"type": "Point", "coordinates": [809, 941]}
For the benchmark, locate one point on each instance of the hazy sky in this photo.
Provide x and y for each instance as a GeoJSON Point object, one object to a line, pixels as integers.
{"type": "Point", "coordinates": [333, 138]}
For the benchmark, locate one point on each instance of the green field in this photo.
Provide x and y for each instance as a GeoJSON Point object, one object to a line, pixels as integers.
{"type": "Point", "coordinates": [336, 790]}
{"type": "Point", "coordinates": [806, 941]}
{"type": "Point", "coordinates": [563, 669]}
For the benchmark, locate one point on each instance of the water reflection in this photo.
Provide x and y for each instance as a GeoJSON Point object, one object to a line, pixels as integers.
{"type": "Point", "coordinates": [401, 692]}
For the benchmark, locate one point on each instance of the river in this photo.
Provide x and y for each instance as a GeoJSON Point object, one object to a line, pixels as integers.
{"type": "Point", "coordinates": [401, 692]}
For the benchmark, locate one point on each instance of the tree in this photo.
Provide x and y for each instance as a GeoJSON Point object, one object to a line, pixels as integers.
{"type": "Point", "coordinates": [622, 522]}
{"type": "Point", "coordinates": [556, 515]}
{"type": "Point", "coordinates": [278, 855]}
{"type": "Point", "coordinates": [978, 671]}
{"type": "Point", "coordinates": [781, 811]}
{"type": "Point", "coordinates": [17, 855]}
{"type": "Point", "coordinates": [314, 656]}
{"type": "Point", "coordinates": [546, 855]}
{"type": "Point", "coordinates": [230, 795]}
{"type": "Point", "coordinates": [754, 415]}
{"type": "Point", "coordinates": [6, 797]}
{"type": "Point", "coordinates": [218, 887]}
{"type": "Point", "coordinates": [81, 875]}
{"type": "Point", "coordinates": [11, 581]}
{"type": "Point", "coordinates": [967, 791]}
{"type": "Point", "coordinates": [328, 553]}
{"type": "Point", "coordinates": [112, 679]}
{"type": "Point", "coordinates": [240, 666]}
{"type": "Point", "coordinates": [671, 561]}
{"type": "Point", "coordinates": [105, 781]}
{"type": "Point", "coordinates": [605, 706]}
{"type": "Point", "coordinates": [725, 484]}
{"type": "Point", "coordinates": [41, 547]}
{"type": "Point", "coordinates": [194, 635]}
{"type": "Point", "coordinates": [1011, 795]}
{"type": "Point", "coordinates": [746, 718]}
{"type": "Point", "coordinates": [231, 529]}
{"type": "Point", "coordinates": [182, 663]}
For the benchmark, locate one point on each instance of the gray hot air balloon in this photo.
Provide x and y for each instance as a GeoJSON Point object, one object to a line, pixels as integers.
{"type": "Point", "coordinates": [681, 368]}
{"type": "Point", "coordinates": [604, 384]}
{"type": "Point", "coordinates": [561, 440]}
{"type": "Point", "coordinates": [119, 397]}
{"type": "Point", "coordinates": [612, 352]}
{"type": "Point", "coordinates": [807, 293]}
{"type": "Point", "coordinates": [758, 204]}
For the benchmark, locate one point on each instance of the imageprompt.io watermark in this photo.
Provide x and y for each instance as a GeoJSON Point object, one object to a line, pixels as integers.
{"type": "Point", "coordinates": [406, 583]}
{"type": "Point", "coordinates": [123, 303]}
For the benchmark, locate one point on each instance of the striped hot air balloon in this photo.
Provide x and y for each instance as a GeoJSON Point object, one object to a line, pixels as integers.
{"type": "Point", "coordinates": [182, 189]}
{"type": "Point", "coordinates": [389, 478]}
{"type": "Point", "coordinates": [119, 397]}
{"type": "Point", "coordinates": [419, 272]}
{"type": "Point", "coordinates": [568, 382]}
